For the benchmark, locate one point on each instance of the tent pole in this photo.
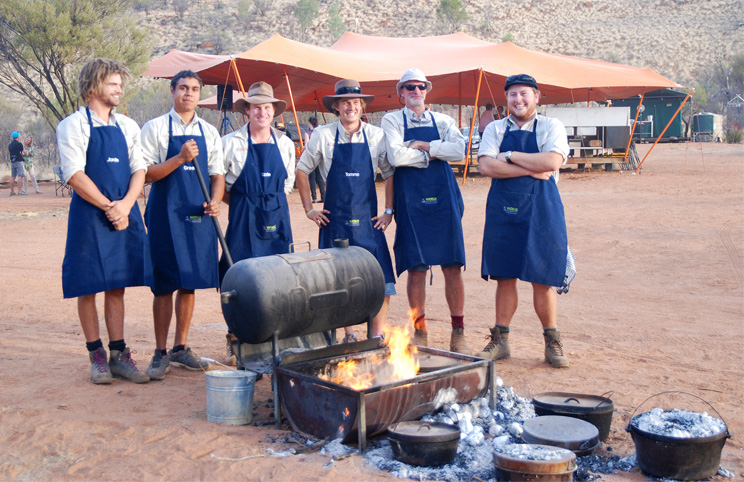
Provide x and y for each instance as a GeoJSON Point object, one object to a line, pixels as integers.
{"type": "Point", "coordinates": [632, 129]}
{"type": "Point", "coordinates": [459, 100]}
{"type": "Point", "coordinates": [665, 129]}
{"type": "Point", "coordinates": [294, 110]}
{"type": "Point", "coordinates": [472, 126]}
{"type": "Point", "coordinates": [240, 81]}
{"type": "Point", "coordinates": [317, 98]}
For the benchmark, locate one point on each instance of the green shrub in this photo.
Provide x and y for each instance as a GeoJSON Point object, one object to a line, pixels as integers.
{"type": "Point", "coordinates": [734, 136]}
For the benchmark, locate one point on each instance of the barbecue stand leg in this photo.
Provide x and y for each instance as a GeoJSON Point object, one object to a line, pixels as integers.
{"type": "Point", "coordinates": [492, 384]}
{"type": "Point", "coordinates": [275, 382]}
{"type": "Point", "coordinates": [369, 328]}
{"type": "Point", "coordinates": [362, 424]}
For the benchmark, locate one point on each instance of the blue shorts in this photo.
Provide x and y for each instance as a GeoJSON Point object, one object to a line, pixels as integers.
{"type": "Point", "coordinates": [425, 267]}
{"type": "Point", "coordinates": [390, 289]}
{"type": "Point", "coordinates": [17, 169]}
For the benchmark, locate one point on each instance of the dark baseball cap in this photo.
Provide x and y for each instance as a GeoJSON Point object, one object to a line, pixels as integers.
{"type": "Point", "coordinates": [520, 79]}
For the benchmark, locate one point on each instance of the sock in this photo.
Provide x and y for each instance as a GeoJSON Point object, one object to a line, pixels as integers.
{"type": "Point", "coordinates": [503, 329]}
{"type": "Point", "coordinates": [94, 345]}
{"type": "Point", "coordinates": [458, 322]}
{"type": "Point", "coordinates": [117, 345]}
{"type": "Point", "coordinates": [162, 352]}
{"type": "Point", "coordinates": [420, 320]}
{"type": "Point", "coordinates": [549, 330]}
{"type": "Point", "coordinates": [177, 348]}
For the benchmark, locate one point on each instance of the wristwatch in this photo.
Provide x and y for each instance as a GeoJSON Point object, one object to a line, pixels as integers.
{"type": "Point", "coordinates": [389, 211]}
{"type": "Point", "coordinates": [507, 155]}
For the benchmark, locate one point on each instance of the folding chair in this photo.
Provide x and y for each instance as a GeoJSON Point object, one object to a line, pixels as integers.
{"type": "Point", "coordinates": [61, 185]}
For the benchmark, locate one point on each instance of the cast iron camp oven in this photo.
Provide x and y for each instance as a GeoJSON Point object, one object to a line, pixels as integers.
{"type": "Point", "coordinates": [274, 298]}
{"type": "Point", "coordinates": [323, 408]}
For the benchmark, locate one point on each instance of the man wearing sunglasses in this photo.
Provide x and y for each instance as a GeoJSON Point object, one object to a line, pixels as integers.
{"type": "Point", "coordinates": [525, 233]}
{"type": "Point", "coordinates": [347, 154]}
{"type": "Point", "coordinates": [427, 202]}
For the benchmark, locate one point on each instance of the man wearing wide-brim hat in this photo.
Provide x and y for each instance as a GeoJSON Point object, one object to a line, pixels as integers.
{"type": "Point", "coordinates": [348, 154]}
{"type": "Point", "coordinates": [428, 204]}
{"type": "Point", "coordinates": [260, 173]}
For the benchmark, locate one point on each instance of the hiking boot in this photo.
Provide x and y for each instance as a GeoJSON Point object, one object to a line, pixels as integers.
{"type": "Point", "coordinates": [12, 193]}
{"type": "Point", "coordinates": [420, 338]}
{"type": "Point", "coordinates": [498, 346]}
{"type": "Point", "coordinates": [457, 342]}
{"type": "Point", "coordinates": [122, 366]}
{"type": "Point", "coordinates": [187, 359]}
{"type": "Point", "coordinates": [99, 369]}
{"type": "Point", "coordinates": [349, 338]}
{"type": "Point", "coordinates": [231, 359]}
{"type": "Point", "coordinates": [159, 366]}
{"type": "Point", "coordinates": [554, 350]}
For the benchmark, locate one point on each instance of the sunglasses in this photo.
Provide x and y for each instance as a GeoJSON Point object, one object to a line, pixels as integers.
{"type": "Point", "coordinates": [348, 90]}
{"type": "Point", "coordinates": [412, 87]}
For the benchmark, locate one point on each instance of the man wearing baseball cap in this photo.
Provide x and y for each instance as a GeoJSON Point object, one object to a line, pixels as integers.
{"type": "Point", "coordinates": [348, 153]}
{"type": "Point", "coordinates": [428, 204]}
{"type": "Point", "coordinates": [525, 234]}
{"type": "Point", "coordinates": [16, 163]}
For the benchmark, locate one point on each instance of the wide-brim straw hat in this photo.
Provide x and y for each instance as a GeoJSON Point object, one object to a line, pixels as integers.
{"type": "Point", "coordinates": [260, 93]}
{"type": "Point", "coordinates": [412, 74]}
{"type": "Point", "coordinates": [346, 89]}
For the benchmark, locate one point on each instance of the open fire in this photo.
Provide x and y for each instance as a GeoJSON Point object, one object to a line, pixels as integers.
{"type": "Point", "coordinates": [399, 363]}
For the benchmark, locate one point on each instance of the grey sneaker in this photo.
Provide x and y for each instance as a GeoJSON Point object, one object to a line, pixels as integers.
{"type": "Point", "coordinates": [22, 193]}
{"type": "Point", "coordinates": [187, 359]}
{"type": "Point", "coordinates": [554, 350]}
{"type": "Point", "coordinates": [349, 338]}
{"type": "Point", "coordinates": [159, 366]}
{"type": "Point", "coordinates": [497, 347]}
{"type": "Point", "coordinates": [122, 366]}
{"type": "Point", "coordinates": [99, 369]}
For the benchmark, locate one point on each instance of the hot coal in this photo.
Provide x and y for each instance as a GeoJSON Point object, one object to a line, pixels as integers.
{"type": "Point", "coordinates": [678, 423]}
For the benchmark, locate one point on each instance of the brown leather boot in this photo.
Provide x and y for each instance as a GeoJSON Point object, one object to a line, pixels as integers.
{"type": "Point", "coordinates": [457, 342]}
{"type": "Point", "coordinates": [420, 338]}
{"type": "Point", "coordinates": [497, 347]}
{"type": "Point", "coordinates": [554, 350]}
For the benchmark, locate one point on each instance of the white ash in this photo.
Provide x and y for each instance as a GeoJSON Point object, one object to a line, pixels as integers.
{"type": "Point", "coordinates": [678, 423]}
{"type": "Point", "coordinates": [336, 448]}
{"type": "Point", "coordinates": [530, 452]}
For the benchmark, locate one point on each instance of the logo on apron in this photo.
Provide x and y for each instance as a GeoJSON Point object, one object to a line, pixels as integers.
{"type": "Point", "coordinates": [429, 200]}
{"type": "Point", "coordinates": [511, 210]}
{"type": "Point", "coordinates": [352, 223]}
{"type": "Point", "coordinates": [193, 219]}
{"type": "Point", "coordinates": [270, 229]}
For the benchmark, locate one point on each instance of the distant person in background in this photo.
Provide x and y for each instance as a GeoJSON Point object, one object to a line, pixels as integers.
{"type": "Point", "coordinates": [485, 119]}
{"type": "Point", "coordinates": [101, 157]}
{"type": "Point", "coordinates": [525, 232]}
{"type": "Point", "coordinates": [16, 163]}
{"type": "Point", "coordinates": [315, 177]}
{"type": "Point", "coordinates": [183, 241]}
{"type": "Point", "coordinates": [28, 163]}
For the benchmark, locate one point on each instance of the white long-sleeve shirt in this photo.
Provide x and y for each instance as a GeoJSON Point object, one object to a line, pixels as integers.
{"type": "Point", "coordinates": [235, 149]}
{"type": "Point", "coordinates": [450, 147]}
{"type": "Point", "coordinates": [73, 136]}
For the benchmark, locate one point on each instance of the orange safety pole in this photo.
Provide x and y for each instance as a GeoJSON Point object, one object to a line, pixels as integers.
{"type": "Point", "coordinates": [665, 129]}
{"type": "Point", "coordinates": [240, 81]}
{"type": "Point", "coordinates": [632, 129]}
{"type": "Point", "coordinates": [294, 110]}
{"type": "Point", "coordinates": [472, 126]}
{"type": "Point", "coordinates": [459, 100]}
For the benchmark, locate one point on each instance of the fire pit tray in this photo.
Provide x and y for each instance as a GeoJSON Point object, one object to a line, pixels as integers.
{"type": "Point", "coordinates": [325, 409]}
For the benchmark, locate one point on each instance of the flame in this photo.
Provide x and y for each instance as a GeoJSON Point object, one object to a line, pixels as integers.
{"type": "Point", "coordinates": [400, 364]}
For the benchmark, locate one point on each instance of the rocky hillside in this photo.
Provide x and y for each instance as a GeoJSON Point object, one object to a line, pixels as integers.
{"type": "Point", "coordinates": [680, 39]}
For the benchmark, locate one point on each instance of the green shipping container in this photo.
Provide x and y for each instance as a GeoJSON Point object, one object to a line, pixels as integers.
{"type": "Point", "coordinates": [658, 107]}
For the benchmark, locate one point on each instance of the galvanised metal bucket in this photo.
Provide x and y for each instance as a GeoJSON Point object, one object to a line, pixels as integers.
{"type": "Point", "coordinates": [230, 396]}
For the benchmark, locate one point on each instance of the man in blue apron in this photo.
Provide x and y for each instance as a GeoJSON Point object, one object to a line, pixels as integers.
{"type": "Point", "coordinates": [260, 173]}
{"type": "Point", "coordinates": [347, 154]}
{"type": "Point", "coordinates": [525, 233]}
{"type": "Point", "coordinates": [183, 241]}
{"type": "Point", "coordinates": [106, 249]}
{"type": "Point", "coordinates": [427, 202]}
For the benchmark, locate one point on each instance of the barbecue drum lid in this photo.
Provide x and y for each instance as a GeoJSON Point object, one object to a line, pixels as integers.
{"type": "Point", "coordinates": [429, 362]}
{"type": "Point", "coordinates": [422, 432]}
{"type": "Point", "coordinates": [574, 403]}
{"type": "Point", "coordinates": [567, 432]}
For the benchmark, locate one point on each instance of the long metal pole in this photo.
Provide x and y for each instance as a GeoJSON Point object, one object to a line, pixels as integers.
{"type": "Point", "coordinates": [472, 126]}
{"type": "Point", "coordinates": [665, 129]}
{"type": "Point", "coordinates": [632, 130]}
{"type": "Point", "coordinates": [208, 198]}
{"type": "Point", "coordinates": [294, 110]}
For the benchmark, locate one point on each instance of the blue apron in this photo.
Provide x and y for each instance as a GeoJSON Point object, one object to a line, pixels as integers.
{"type": "Point", "coordinates": [351, 198]}
{"type": "Point", "coordinates": [428, 210]}
{"type": "Point", "coordinates": [183, 243]}
{"type": "Point", "coordinates": [258, 220]}
{"type": "Point", "coordinates": [525, 233]}
{"type": "Point", "coordinates": [97, 256]}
